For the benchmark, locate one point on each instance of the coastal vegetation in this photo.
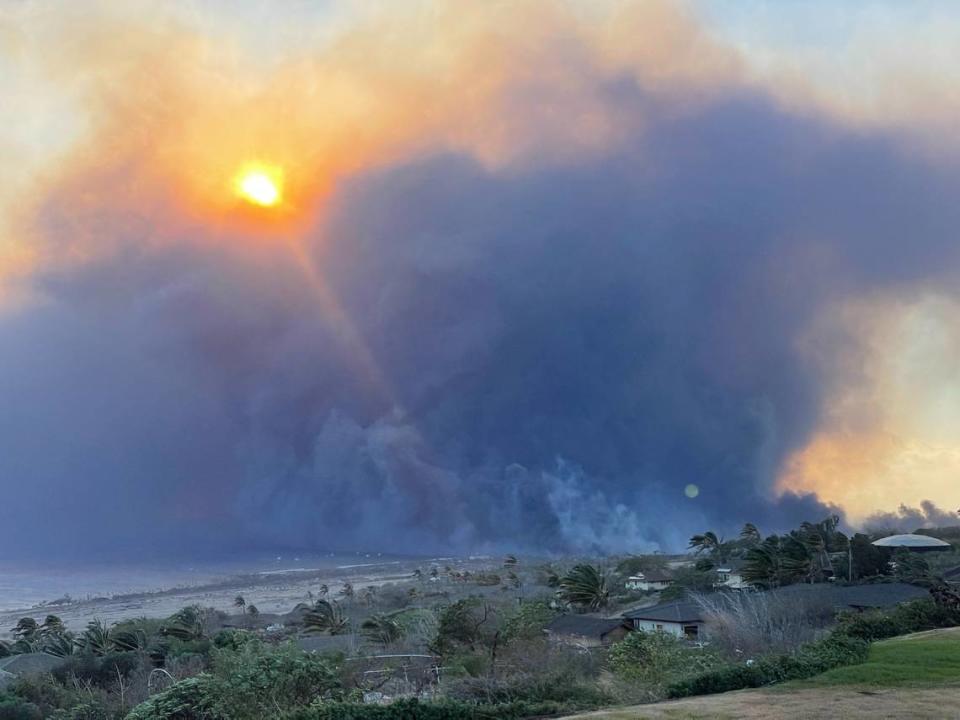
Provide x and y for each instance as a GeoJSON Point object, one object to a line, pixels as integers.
{"type": "Point", "coordinates": [453, 642]}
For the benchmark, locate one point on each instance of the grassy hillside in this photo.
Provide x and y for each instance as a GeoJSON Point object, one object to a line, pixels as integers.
{"type": "Point", "coordinates": [915, 676]}
{"type": "Point", "coordinates": [927, 658]}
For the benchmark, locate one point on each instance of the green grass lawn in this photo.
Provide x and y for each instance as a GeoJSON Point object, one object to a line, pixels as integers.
{"type": "Point", "coordinates": [915, 660]}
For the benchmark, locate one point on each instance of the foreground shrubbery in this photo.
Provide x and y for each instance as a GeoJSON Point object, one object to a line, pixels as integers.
{"type": "Point", "coordinates": [436, 710]}
{"type": "Point", "coordinates": [848, 644]}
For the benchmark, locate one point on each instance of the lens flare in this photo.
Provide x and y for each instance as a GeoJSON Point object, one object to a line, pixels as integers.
{"type": "Point", "coordinates": [259, 185]}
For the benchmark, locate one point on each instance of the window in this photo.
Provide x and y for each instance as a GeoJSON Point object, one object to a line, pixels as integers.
{"type": "Point", "coordinates": [691, 632]}
{"type": "Point", "coordinates": [659, 626]}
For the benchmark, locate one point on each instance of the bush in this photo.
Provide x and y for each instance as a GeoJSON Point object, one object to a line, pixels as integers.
{"type": "Point", "coordinates": [99, 671]}
{"type": "Point", "coordinates": [416, 710]}
{"type": "Point", "coordinates": [836, 650]}
{"type": "Point", "coordinates": [15, 708]}
{"type": "Point", "coordinates": [652, 657]}
{"type": "Point", "coordinates": [256, 682]}
{"type": "Point", "coordinates": [563, 688]}
{"type": "Point", "coordinates": [190, 699]}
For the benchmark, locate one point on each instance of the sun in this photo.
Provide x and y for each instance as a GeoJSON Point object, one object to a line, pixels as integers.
{"type": "Point", "coordinates": [260, 185]}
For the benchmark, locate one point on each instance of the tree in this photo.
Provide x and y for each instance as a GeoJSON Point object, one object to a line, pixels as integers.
{"type": "Point", "coordinates": [96, 638]}
{"type": "Point", "coordinates": [710, 544]}
{"type": "Point", "coordinates": [326, 616]}
{"type": "Point", "coordinates": [585, 587]}
{"type": "Point", "coordinates": [187, 624]}
{"type": "Point", "coordinates": [750, 534]}
{"type": "Point", "coordinates": [382, 629]}
{"type": "Point", "coordinates": [346, 592]}
{"type": "Point", "coordinates": [239, 602]}
{"type": "Point", "coordinates": [253, 610]}
{"type": "Point", "coordinates": [324, 591]}
{"type": "Point", "coordinates": [470, 623]}
{"type": "Point", "coordinates": [510, 562]}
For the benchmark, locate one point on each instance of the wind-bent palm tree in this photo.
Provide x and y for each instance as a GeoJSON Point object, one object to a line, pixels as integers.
{"type": "Point", "coordinates": [326, 616]}
{"type": "Point", "coordinates": [709, 543]}
{"type": "Point", "coordinates": [585, 587]}
{"type": "Point", "coordinates": [510, 562]}
{"type": "Point", "coordinates": [347, 591]}
{"type": "Point", "coordinates": [96, 638]}
{"type": "Point", "coordinates": [239, 602]}
{"type": "Point", "coordinates": [382, 629]}
{"type": "Point", "coordinates": [750, 534]}
{"type": "Point", "coordinates": [187, 624]}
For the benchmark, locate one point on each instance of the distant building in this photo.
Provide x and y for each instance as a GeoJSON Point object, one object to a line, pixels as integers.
{"type": "Point", "coordinates": [730, 576]}
{"type": "Point", "coordinates": [681, 618]}
{"type": "Point", "coordinates": [650, 580]}
{"type": "Point", "coordinates": [587, 630]}
{"type": "Point", "coordinates": [913, 543]}
{"type": "Point", "coordinates": [855, 597]}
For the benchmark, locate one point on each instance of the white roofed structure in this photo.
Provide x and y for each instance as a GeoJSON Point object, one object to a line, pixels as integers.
{"type": "Point", "coordinates": [913, 542]}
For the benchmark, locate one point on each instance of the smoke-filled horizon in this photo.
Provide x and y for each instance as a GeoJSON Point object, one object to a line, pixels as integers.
{"type": "Point", "coordinates": [542, 280]}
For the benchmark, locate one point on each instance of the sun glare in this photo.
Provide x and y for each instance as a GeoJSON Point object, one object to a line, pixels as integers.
{"type": "Point", "coordinates": [260, 185]}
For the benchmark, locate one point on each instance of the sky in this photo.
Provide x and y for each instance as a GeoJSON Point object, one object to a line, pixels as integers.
{"type": "Point", "coordinates": [542, 275]}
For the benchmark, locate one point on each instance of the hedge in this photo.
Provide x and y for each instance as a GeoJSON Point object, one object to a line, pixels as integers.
{"type": "Point", "coordinates": [848, 644]}
{"type": "Point", "coordinates": [413, 709]}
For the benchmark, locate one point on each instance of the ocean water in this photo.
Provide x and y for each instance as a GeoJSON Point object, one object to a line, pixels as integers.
{"type": "Point", "coordinates": [24, 587]}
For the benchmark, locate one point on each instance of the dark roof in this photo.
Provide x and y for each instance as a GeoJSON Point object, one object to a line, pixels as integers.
{"type": "Point", "coordinates": [678, 611]}
{"type": "Point", "coordinates": [583, 625]}
{"type": "Point", "coordinates": [952, 573]}
{"type": "Point", "coordinates": [878, 595]}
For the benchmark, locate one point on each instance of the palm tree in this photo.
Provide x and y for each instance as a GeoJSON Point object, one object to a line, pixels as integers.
{"type": "Point", "coordinates": [368, 594]}
{"type": "Point", "coordinates": [239, 602]}
{"type": "Point", "coordinates": [585, 586]}
{"type": "Point", "coordinates": [326, 617]}
{"type": "Point", "coordinates": [25, 629]}
{"type": "Point", "coordinates": [96, 638]}
{"type": "Point", "coordinates": [709, 543]}
{"type": "Point", "coordinates": [187, 624]}
{"type": "Point", "coordinates": [324, 591]}
{"type": "Point", "coordinates": [347, 591]}
{"type": "Point", "coordinates": [750, 534]}
{"type": "Point", "coordinates": [382, 629]}
{"type": "Point", "coordinates": [510, 562]}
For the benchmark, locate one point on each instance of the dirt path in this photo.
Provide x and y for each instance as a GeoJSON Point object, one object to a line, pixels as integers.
{"type": "Point", "coordinates": [848, 703]}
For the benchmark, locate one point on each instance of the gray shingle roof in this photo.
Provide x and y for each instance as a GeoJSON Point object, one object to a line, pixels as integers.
{"type": "Point", "coordinates": [952, 573]}
{"type": "Point", "coordinates": [878, 595]}
{"type": "Point", "coordinates": [583, 625]}
{"type": "Point", "coordinates": [678, 611]}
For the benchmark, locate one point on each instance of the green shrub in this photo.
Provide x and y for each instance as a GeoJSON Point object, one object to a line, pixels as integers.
{"type": "Point", "coordinates": [557, 687]}
{"type": "Point", "coordinates": [652, 657]}
{"type": "Point", "coordinates": [258, 681]}
{"type": "Point", "coordinates": [191, 699]}
{"type": "Point", "coordinates": [412, 709]}
{"type": "Point", "coordinates": [99, 671]}
{"type": "Point", "coordinates": [16, 708]}
{"type": "Point", "coordinates": [835, 650]}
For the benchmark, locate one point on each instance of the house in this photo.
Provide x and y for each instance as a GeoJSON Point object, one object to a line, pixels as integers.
{"type": "Point", "coordinates": [586, 630]}
{"type": "Point", "coordinates": [649, 580]}
{"type": "Point", "coordinates": [681, 618]}
{"type": "Point", "coordinates": [730, 576]}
